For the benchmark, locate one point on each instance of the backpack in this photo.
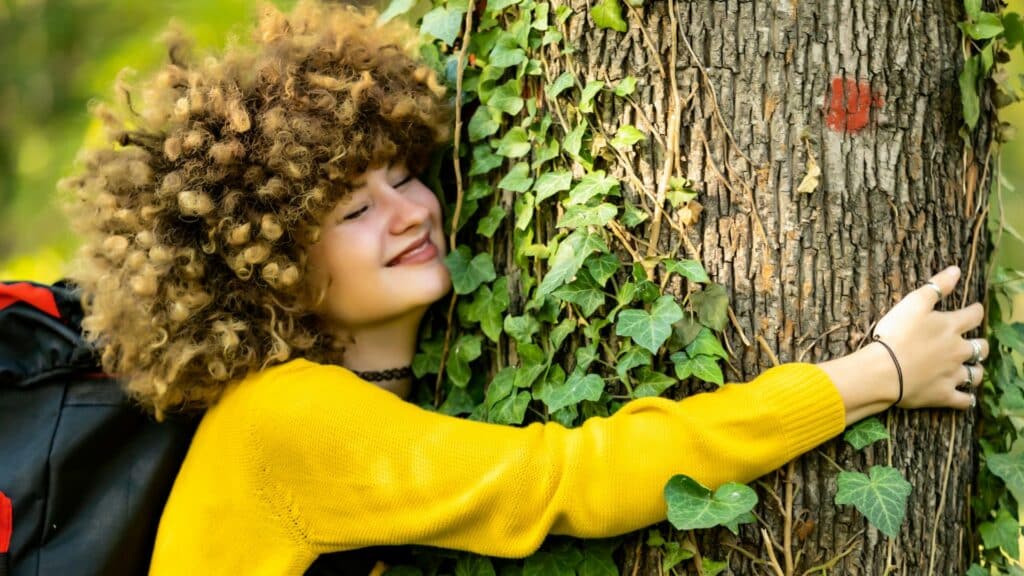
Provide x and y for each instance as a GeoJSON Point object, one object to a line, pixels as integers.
{"type": "Point", "coordinates": [84, 473]}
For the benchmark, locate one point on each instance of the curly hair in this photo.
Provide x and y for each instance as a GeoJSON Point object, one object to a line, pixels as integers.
{"type": "Point", "coordinates": [197, 213]}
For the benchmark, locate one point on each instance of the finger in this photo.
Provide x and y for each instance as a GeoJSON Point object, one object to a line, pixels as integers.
{"type": "Point", "coordinates": [945, 280]}
{"type": "Point", "coordinates": [968, 350]}
{"type": "Point", "coordinates": [967, 319]}
{"type": "Point", "coordinates": [962, 400]}
{"type": "Point", "coordinates": [970, 376]}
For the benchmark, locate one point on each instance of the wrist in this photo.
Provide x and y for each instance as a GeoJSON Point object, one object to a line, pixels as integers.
{"type": "Point", "coordinates": [866, 379]}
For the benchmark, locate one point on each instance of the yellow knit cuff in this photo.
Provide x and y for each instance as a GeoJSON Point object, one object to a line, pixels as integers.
{"type": "Point", "coordinates": [816, 412]}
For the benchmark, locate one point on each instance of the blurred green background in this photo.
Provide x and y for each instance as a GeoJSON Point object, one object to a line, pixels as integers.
{"type": "Point", "coordinates": [59, 54]}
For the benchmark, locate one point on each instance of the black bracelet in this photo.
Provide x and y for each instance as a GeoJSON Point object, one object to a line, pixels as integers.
{"type": "Point", "coordinates": [899, 371]}
{"type": "Point", "coordinates": [384, 375]}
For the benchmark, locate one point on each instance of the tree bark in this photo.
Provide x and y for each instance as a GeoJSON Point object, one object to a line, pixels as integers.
{"type": "Point", "coordinates": [867, 91]}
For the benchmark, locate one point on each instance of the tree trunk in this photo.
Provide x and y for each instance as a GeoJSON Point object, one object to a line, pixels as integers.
{"type": "Point", "coordinates": [868, 92]}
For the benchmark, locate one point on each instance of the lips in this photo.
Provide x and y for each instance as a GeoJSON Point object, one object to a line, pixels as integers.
{"type": "Point", "coordinates": [419, 251]}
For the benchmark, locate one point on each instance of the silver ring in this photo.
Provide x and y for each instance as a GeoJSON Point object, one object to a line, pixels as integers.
{"type": "Point", "coordinates": [974, 401]}
{"type": "Point", "coordinates": [976, 356]}
{"type": "Point", "coordinates": [935, 287]}
{"type": "Point", "coordinates": [970, 376]}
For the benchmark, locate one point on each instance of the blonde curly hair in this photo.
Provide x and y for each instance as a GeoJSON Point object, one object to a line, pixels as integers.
{"type": "Point", "coordinates": [197, 213]}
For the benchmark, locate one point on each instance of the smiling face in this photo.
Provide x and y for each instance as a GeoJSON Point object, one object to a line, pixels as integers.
{"type": "Point", "coordinates": [382, 250]}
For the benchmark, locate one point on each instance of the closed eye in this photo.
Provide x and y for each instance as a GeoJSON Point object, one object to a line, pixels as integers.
{"type": "Point", "coordinates": [355, 214]}
{"type": "Point", "coordinates": [404, 181]}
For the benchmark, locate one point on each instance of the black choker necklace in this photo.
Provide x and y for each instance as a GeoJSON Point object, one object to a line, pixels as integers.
{"type": "Point", "coordinates": [384, 375]}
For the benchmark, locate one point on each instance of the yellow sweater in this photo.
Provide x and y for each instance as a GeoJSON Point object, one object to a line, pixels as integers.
{"type": "Point", "coordinates": [304, 459]}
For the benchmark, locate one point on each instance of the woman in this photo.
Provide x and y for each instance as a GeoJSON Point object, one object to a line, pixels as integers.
{"type": "Point", "coordinates": [258, 246]}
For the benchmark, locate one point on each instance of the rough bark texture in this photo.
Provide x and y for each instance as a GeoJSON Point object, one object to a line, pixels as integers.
{"type": "Point", "coordinates": [869, 90]}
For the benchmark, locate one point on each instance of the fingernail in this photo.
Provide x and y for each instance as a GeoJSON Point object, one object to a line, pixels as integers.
{"type": "Point", "coordinates": [954, 270]}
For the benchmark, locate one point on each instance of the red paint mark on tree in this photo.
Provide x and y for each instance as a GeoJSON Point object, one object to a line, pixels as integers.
{"type": "Point", "coordinates": [850, 104]}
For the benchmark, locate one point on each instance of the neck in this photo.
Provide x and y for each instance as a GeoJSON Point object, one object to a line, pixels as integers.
{"type": "Point", "coordinates": [381, 346]}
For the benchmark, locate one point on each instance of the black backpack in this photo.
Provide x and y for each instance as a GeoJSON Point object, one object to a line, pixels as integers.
{"type": "Point", "coordinates": [86, 471]}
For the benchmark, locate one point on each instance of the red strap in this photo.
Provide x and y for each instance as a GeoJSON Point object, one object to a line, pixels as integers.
{"type": "Point", "coordinates": [6, 521]}
{"type": "Point", "coordinates": [36, 296]}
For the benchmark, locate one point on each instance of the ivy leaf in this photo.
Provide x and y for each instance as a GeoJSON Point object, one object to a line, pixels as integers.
{"type": "Point", "coordinates": [521, 328]}
{"type": "Point", "coordinates": [712, 305]}
{"type": "Point", "coordinates": [1003, 532]}
{"type": "Point", "coordinates": [691, 506]}
{"type": "Point", "coordinates": [457, 402]}
{"type": "Point", "coordinates": [608, 14]}
{"type": "Point", "coordinates": [603, 267]}
{"type": "Point", "coordinates": [490, 222]}
{"type": "Point", "coordinates": [709, 567]}
{"type": "Point", "coordinates": [651, 383]}
{"type": "Point", "coordinates": [580, 216]}
{"type": "Point", "coordinates": [707, 344]}
{"type": "Point", "coordinates": [593, 184]}
{"type": "Point", "coordinates": [882, 497]}
{"type": "Point", "coordinates": [395, 8]}
{"type": "Point", "coordinates": [1014, 27]}
{"type": "Point", "coordinates": [574, 140]}
{"type": "Point", "coordinates": [630, 358]}
{"type": "Point", "coordinates": [584, 292]}
{"type": "Point", "coordinates": [488, 307]}
{"type": "Point", "coordinates": [865, 433]}
{"type": "Point", "coordinates": [969, 91]}
{"type": "Point", "coordinates": [632, 215]}
{"type": "Point", "coordinates": [523, 208]}
{"type": "Point", "coordinates": [627, 136]}
{"type": "Point", "coordinates": [484, 160]}
{"type": "Point", "coordinates": [482, 124]}
{"type": "Point", "coordinates": [443, 24]}
{"type": "Point", "coordinates": [577, 388]}
{"type": "Point", "coordinates": [692, 270]}
{"type": "Point", "coordinates": [702, 366]}
{"type": "Point", "coordinates": [626, 86]}
{"type": "Point", "coordinates": [734, 525]}
{"type": "Point", "coordinates": [465, 350]}
{"type": "Point", "coordinates": [561, 84]}
{"type": "Point", "coordinates": [649, 330]}
{"type": "Point", "coordinates": [506, 98]}
{"type": "Point", "coordinates": [568, 259]}
{"type": "Point", "coordinates": [1010, 467]}
{"type": "Point", "coordinates": [514, 144]}
{"type": "Point", "coordinates": [986, 25]}
{"type": "Point", "coordinates": [506, 52]}
{"type": "Point", "coordinates": [532, 363]}
{"type": "Point", "coordinates": [510, 410]}
{"type": "Point", "coordinates": [551, 183]}
{"type": "Point", "coordinates": [597, 559]}
{"type": "Point", "coordinates": [561, 332]}
{"type": "Point", "coordinates": [467, 274]}
{"type": "Point", "coordinates": [500, 387]}
{"type": "Point", "coordinates": [518, 178]}
{"type": "Point", "coordinates": [587, 97]}
{"type": "Point", "coordinates": [495, 6]}
{"type": "Point", "coordinates": [557, 561]}
{"type": "Point", "coordinates": [674, 554]}
{"type": "Point", "coordinates": [428, 360]}
{"type": "Point", "coordinates": [973, 8]}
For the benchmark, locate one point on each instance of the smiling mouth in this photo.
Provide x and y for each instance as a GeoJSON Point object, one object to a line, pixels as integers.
{"type": "Point", "coordinates": [421, 251]}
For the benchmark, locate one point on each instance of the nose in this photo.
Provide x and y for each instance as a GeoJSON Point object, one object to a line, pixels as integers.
{"type": "Point", "coordinates": [406, 212]}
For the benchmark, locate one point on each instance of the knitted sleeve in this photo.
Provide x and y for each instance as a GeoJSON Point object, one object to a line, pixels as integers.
{"type": "Point", "coordinates": [353, 465]}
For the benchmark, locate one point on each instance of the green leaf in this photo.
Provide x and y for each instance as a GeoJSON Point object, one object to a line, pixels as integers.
{"type": "Point", "coordinates": [551, 183]}
{"type": "Point", "coordinates": [458, 401]}
{"type": "Point", "coordinates": [518, 178]}
{"type": "Point", "coordinates": [651, 383]}
{"type": "Point", "coordinates": [969, 91]}
{"type": "Point", "coordinates": [506, 98]}
{"type": "Point", "coordinates": [702, 366]}
{"type": "Point", "coordinates": [594, 184]}
{"type": "Point", "coordinates": [562, 83]}
{"type": "Point", "coordinates": [987, 25]}
{"type": "Point", "coordinates": [467, 274]}
{"type": "Point", "coordinates": [495, 6]}
{"type": "Point", "coordinates": [1010, 467]}
{"type": "Point", "coordinates": [649, 330]}
{"type": "Point", "coordinates": [692, 270]}
{"type": "Point", "coordinates": [709, 567]}
{"type": "Point", "coordinates": [560, 332]}
{"type": "Point", "coordinates": [631, 357]}
{"type": "Point", "coordinates": [521, 328]}
{"type": "Point", "coordinates": [603, 267]}
{"type": "Point", "coordinates": [976, 570]}
{"type": "Point", "coordinates": [706, 343]}
{"type": "Point", "coordinates": [691, 506]}
{"type": "Point", "coordinates": [568, 259]}
{"type": "Point", "coordinates": [627, 136]}
{"type": "Point", "coordinates": [625, 87]}
{"type": "Point", "coordinates": [865, 433]}
{"type": "Point", "coordinates": [557, 561]}
{"type": "Point", "coordinates": [577, 388]}
{"type": "Point", "coordinates": [597, 559]}
{"type": "Point", "coordinates": [587, 97]}
{"type": "Point", "coordinates": [488, 307]}
{"type": "Point", "coordinates": [474, 566]}
{"type": "Point", "coordinates": [532, 363]}
{"type": "Point", "coordinates": [500, 387]}
{"type": "Point", "coordinates": [395, 8]}
{"type": "Point", "coordinates": [482, 124]}
{"type": "Point", "coordinates": [428, 360]}
{"type": "Point", "coordinates": [882, 497]}
{"type": "Point", "coordinates": [484, 160]}
{"type": "Point", "coordinates": [465, 350]}
{"type": "Point", "coordinates": [973, 8]}
{"type": "Point", "coordinates": [608, 14]}
{"type": "Point", "coordinates": [510, 410]}
{"type": "Point", "coordinates": [712, 306]}
{"type": "Point", "coordinates": [632, 215]}
{"type": "Point", "coordinates": [674, 554]}
{"type": "Point", "coordinates": [523, 208]}
{"type": "Point", "coordinates": [443, 24]}
{"type": "Point", "coordinates": [574, 140]}
{"type": "Point", "coordinates": [584, 292]}
{"type": "Point", "coordinates": [580, 216]}
{"type": "Point", "coordinates": [506, 52]}
{"type": "Point", "coordinates": [515, 143]}
{"type": "Point", "coordinates": [1003, 532]}
{"type": "Point", "coordinates": [1014, 29]}
{"type": "Point", "coordinates": [490, 222]}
